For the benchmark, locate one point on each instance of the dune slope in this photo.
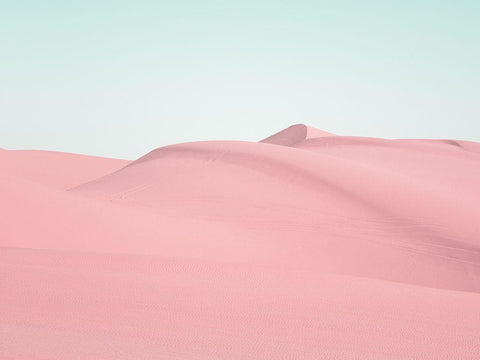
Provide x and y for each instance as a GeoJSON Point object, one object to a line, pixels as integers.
{"type": "Point", "coordinates": [306, 245]}
{"type": "Point", "coordinates": [56, 169]}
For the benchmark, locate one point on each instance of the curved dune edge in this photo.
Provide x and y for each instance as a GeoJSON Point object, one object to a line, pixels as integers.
{"type": "Point", "coordinates": [295, 134]}
{"type": "Point", "coordinates": [306, 245]}
{"type": "Point", "coordinates": [56, 169]}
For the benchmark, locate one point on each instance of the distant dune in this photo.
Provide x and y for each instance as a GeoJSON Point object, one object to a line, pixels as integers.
{"type": "Point", "coordinates": [55, 169]}
{"type": "Point", "coordinates": [305, 245]}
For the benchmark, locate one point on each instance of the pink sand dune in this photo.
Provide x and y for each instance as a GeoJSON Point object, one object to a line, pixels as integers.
{"type": "Point", "coordinates": [56, 169]}
{"type": "Point", "coordinates": [306, 245]}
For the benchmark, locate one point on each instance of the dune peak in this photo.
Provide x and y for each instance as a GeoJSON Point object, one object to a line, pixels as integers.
{"type": "Point", "coordinates": [295, 134]}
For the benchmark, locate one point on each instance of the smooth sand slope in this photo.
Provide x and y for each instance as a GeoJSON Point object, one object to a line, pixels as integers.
{"type": "Point", "coordinates": [306, 245]}
{"type": "Point", "coordinates": [55, 169]}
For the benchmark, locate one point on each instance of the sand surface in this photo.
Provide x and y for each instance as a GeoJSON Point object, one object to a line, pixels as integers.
{"type": "Point", "coordinates": [306, 245]}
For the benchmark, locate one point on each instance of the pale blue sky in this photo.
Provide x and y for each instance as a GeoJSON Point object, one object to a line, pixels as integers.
{"type": "Point", "coordinates": [119, 78]}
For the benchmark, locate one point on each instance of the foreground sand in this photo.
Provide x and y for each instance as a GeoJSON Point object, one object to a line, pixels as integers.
{"type": "Point", "coordinates": [303, 246]}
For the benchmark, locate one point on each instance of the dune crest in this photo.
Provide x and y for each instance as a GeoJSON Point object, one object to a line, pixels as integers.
{"type": "Point", "coordinates": [305, 245]}
{"type": "Point", "coordinates": [295, 134]}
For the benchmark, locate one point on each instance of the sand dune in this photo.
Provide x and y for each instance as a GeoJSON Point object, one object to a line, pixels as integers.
{"type": "Point", "coordinates": [306, 245]}
{"type": "Point", "coordinates": [294, 135]}
{"type": "Point", "coordinates": [56, 169]}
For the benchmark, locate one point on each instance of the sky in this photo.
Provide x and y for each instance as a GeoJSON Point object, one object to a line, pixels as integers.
{"type": "Point", "coordinates": [120, 78]}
